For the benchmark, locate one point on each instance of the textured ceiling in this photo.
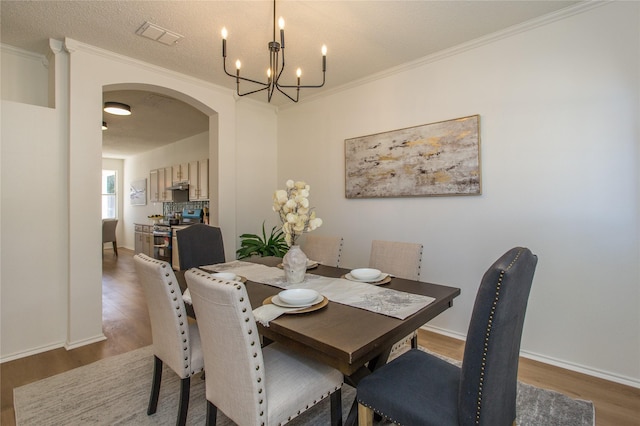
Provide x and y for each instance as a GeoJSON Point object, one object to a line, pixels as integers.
{"type": "Point", "coordinates": [363, 37]}
{"type": "Point", "coordinates": [155, 120]}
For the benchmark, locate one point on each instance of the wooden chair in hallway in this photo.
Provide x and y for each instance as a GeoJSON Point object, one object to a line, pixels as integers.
{"type": "Point", "coordinates": [176, 341]}
{"type": "Point", "coordinates": [109, 234]}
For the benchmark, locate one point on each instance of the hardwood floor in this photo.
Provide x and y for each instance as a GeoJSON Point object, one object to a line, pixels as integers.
{"type": "Point", "coordinates": [126, 325]}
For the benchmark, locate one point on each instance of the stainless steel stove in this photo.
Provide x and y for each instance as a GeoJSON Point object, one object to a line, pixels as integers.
{"type": "Point", "coordinates": [162, 242]}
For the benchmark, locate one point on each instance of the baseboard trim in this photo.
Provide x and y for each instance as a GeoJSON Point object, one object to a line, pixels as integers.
{"type": "Point", "coordinates": [30, 352]}
{"type": "Point", "coordinates": [84, 342]}
{"type": "Point", "coordinates": [52, 346]}
{"type": "Point", "coordinates": [611, 377]}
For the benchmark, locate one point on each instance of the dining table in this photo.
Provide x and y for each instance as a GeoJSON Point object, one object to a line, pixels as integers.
{"type": "Point", "coordinates": [353, 340]}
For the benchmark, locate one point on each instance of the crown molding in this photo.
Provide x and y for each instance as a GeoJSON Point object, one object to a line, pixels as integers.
{"type": "Point", "coordinates": [73, 46]}
{"type": "Point", "coordinates": [25, 54]}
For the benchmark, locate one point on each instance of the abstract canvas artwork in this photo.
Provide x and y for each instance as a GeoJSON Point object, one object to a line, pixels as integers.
{"type": "Point", "coordinates": [440, 158]}
{"type": "Point", "coordinates": [138, 192]}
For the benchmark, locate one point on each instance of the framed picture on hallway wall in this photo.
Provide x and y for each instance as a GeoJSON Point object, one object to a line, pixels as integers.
{"type": "Point", "coordinates": [433, 159]}
{"type": "Point", "coordinates": [138, 192]}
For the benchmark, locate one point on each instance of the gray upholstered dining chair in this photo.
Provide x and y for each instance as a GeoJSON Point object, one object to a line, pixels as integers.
{"type": "Point", "coordinates": [199, 245]}
{"type": "Point", "coordinates": [249, 384]}
{"type": "Point", "coordinates": [176, 341]}
{"type": "Point", "coordinates": [109, 234]}
{"type": "Point", "coordinates": [418, 388]}
{"type": "Point", "coordinates": [323, 249]}
{"type": "Point", "coordinates": [402, 260]}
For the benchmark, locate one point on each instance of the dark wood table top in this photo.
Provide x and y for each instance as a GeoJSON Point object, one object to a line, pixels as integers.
{"type": "Point", "coordinates": [342, 336]}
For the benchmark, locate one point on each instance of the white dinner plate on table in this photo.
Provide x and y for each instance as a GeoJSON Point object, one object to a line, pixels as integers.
{"type": "Point", "coordinates": [366, 274]}
{"type": "Point", "coordinates": [297, 297]}
{"type": "Point", "coordinates": [380, 278]}
{"type": "Point", "coordinates": [319, 303]}
{"type": "Point", "coordinates": [276, 301]}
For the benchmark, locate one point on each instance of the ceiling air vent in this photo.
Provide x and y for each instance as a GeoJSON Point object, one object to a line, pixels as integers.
{"type": "Point", "coordinates": [159, 34]}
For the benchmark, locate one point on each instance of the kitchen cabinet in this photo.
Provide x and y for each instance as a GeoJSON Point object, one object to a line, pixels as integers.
{"type": "Point", "coordinates": [180, 173]}
{"type": "Point", "coordinates": [143, 239]}
{"type": "Point", "coordinates": [159, 181]}
{"type": "Point", "coordinates": [164, 179]}
{"type": "Point", "coordinates": [154, 189]}
{"type": "Point", "coordinates": [199, 180]}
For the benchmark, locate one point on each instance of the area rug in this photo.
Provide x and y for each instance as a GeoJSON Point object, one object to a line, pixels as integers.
{"type": "Point", "coordinates": [115, 391]}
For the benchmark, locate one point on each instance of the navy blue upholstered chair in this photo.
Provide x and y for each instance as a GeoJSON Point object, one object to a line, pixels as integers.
{"type": "Point", "coordinates": [199, 245]}
{"type": "Point", "coordinates": [420, 389]}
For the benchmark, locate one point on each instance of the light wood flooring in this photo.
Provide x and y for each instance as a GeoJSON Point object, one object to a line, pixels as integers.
{"type": "Point", "coordinates": [126, 326]}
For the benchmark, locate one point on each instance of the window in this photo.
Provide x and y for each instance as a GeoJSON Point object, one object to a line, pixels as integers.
{"type": "Point", "coordinates": [109, 196]}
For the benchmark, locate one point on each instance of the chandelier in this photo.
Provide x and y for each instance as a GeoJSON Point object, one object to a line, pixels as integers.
{"type": "Point", "coordinates": [276, 66]}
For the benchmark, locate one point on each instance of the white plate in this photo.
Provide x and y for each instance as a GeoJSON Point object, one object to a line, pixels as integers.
{"type": "Point", "coordinates": [366, 274]}
{"type": "Point", "coordinates": [298, 296]}
{"type": "Point", "coordinates": [276, 301]}
{"type": "Point", "coordinates": [352, 278]}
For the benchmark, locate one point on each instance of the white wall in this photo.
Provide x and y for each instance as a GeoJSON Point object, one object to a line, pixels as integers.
{"type": "Point", "coordinates": [24, 76]}
{"type": "Point", "coordinates": [559, 108]}
{"type": "Point", "coordinates": [33, 230]}
{"type": "Point", "coordinates": [256, 188]}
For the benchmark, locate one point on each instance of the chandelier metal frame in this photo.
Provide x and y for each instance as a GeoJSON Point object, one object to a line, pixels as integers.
{"type": "Point", "coordinates": [275, 69]}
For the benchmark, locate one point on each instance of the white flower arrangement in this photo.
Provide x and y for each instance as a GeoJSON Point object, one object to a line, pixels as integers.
{"type": "Point", "coordinates": [292, 205]}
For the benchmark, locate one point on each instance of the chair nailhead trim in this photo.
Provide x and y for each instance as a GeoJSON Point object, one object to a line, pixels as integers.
{"type": "Point", "coordinates": [488, 336]}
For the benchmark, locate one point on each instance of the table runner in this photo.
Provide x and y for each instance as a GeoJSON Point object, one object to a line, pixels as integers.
{"type": "Point", "coordinates": [385, 301]}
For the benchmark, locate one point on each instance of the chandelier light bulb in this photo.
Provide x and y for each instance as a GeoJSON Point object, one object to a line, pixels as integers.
{"type": "Point", "coordinates": [324, 50]}
{"type": "Point", "coordinates": [298, 72]}
{"type": "Point", "coordinates": [238, 64]}
{"type": "Point", "coordinates": [224, 33]}
{"type": "Point", "coordinates": [269, 72]}
{"type": "Point", "coordinates": [281, 23]}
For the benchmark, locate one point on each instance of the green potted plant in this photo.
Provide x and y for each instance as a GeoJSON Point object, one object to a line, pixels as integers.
{"type": "Point", "coordinates": [252, 244]}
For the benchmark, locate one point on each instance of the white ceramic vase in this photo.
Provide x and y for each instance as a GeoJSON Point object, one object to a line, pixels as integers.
{"type": "Point", "coordinates": [294, 264]}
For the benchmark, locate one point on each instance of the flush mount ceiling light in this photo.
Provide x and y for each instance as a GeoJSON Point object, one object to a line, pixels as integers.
{"type": "Point", "coordinates": [274, 72]}
{"type": "Point", "coordinates": [104, 125]}
{"type": "Point", "coordinates": [117, 108]}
